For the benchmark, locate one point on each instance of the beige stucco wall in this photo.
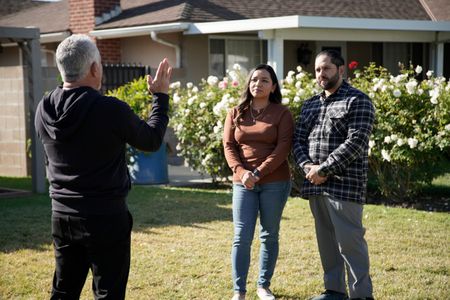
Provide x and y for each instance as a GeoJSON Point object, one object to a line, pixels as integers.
{"type": "Point", "coordinates": [143, 50]}
{"type": "Point", "coordinates": [14, 121]}
{"type": "Point", "coordinates": [13, 158]}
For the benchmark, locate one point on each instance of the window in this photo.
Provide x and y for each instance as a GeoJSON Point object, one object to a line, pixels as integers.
{"type": "Point", "coordinates": [225, 52]}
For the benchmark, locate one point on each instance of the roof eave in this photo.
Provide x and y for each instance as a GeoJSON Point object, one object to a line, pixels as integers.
{"type": "Point", "coordinates": [54, 37]}
{"type": "Point", "coordinates": [298, 21]}
{"type": "Point", "coordinates": [138, 30]}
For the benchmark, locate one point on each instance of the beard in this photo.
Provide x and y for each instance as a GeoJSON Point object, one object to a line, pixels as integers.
{"type": "Point", "coordinates": [330, 82]}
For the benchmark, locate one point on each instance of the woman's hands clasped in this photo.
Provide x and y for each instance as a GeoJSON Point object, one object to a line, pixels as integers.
{"type": "Point", "coordinates": [249, 180]}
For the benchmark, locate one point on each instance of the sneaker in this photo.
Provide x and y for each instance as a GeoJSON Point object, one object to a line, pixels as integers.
{"type": "Point", "coordinates": [265, 294]}
{"type": "Point", "coordinates": [238, 296]}
{"type": "Point", "coordinates": [330, 295]}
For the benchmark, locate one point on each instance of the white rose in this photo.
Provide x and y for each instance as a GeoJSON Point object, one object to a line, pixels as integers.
{"type": "Point", "coordinates": [371, 144]}
{"type": "Point", "coordinates": [176, 98]}
{"type": "Point", "coordinates": [412, 142]}
{"type": "Point", "coordinates": [385, 155]}
{"type": "Point", "coordinates": [212, 80]}
{"type": "Point", "coordinates": [387, 140]}
{"type": "Point", "coordinates": [189, 85]}
{"type": "Point", "coordinates": [202, 105]}
{"type": "Point", "coordinates": [447, 127]}
{"type": "Point", "coordinates": [202, 139]}
{"type": "Point", "coordinates": [289, 80]}
{"type": "Point", "coordinates": [397, 93]}
{"type": "Point", "coordinates": [430, 73]}
{"type": "Point", "coordinates": [297, 99]}
{"type": "Point", "coordinates": [299, 69]}
{"type": "Point", "coordinates": [285, 101]}
{"type": "Point", "coordinates": [394, 137]}
{"type": "Point", "coordinates": [284, 92]}
{"type": "Point", "coordinates": [179, 127]}
{"type": "Point", "coordinates": [175, 85]}
{"type": "Point", "coordinates": [216, 129]}
{"type": "Point", "coordinates": [411, 86]}
{"type": "Point", "coordinates": [237, 67]}
{"type": "Point", "coordinates": [418, 69]}
{"type": "Point", "coordinates": [300, 75]}
{"type": "Point", "coordinates": [195, 89]}
{"type": "Point", "coordinates": [400, 142]}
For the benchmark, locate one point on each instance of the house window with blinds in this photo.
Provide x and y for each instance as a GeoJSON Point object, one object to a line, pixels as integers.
{"type": "Point", "coordinates": [225, 52]}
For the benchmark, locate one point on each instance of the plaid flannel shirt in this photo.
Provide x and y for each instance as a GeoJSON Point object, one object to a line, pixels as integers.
{"type": "Point", "coordinates": [334, 133]}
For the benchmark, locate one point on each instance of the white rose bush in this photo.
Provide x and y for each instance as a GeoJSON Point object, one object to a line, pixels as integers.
{"type": "Point", "coordinates": [409, 142]}
{"type": "Point", "coordinates": [198, 117]}
{"type": "Point", "coordinates": [410, 139]}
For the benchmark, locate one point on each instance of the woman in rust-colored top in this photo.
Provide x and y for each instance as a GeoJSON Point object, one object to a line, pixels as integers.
{"type": "Point", "coordinates": [257, 139]}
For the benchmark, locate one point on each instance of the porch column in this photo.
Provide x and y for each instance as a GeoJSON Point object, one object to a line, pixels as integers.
{"type": "Point", "coordinates": [439, 67]}
{"type": "Point", "coordinates": [275, 49]}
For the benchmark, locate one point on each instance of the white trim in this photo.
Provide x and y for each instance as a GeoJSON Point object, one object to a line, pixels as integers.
{"type": "Point", "coordinates": [138, 30]}
{"type": "Point", "coordinates": [349, 35]}
{"type": "Point", "coordinates": [53, 37]}
{"type": "Point", "coordinates": [316, 22]}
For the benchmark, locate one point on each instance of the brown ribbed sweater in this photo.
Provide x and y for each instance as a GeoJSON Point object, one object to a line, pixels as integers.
{"type": "Point", "coordinates": [264, 145]}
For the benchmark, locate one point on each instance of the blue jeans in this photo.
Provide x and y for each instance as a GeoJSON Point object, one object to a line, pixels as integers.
{"type": "Point", "coordinates": [269, 200]}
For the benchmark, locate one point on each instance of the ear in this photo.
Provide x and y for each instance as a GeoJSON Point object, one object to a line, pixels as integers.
{"type": "Point", "coordinates": [95, 70]}
{"type": "Point", "coordinates": [341, 70]}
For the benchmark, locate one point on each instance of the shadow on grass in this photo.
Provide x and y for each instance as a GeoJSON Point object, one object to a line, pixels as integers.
{"type": "Point", "coordinates": [157, 207]}
{"type": "Point", "coordinates": [25, 222]}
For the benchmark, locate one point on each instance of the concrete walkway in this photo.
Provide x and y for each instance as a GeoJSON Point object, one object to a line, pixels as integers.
{"type": "Point", "coordinates": [184, 176]}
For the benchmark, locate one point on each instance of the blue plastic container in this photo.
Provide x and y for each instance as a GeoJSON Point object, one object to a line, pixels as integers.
{"type": "Point", "coordinates": [150, 168]}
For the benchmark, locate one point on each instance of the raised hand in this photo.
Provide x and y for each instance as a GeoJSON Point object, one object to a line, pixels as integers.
{"type": "Point", "coordinates": [162, 78]}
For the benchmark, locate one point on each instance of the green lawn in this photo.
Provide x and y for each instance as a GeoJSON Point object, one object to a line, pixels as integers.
{"type": "Point", "coordinates": [181, 248]}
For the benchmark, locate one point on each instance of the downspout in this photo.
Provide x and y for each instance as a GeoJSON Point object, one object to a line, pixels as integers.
{"type": "Point", "coordinates": [177, 48]}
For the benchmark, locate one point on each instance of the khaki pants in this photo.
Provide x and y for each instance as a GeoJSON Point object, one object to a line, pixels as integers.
{"type": "Point", "coordinates": [340, 237]}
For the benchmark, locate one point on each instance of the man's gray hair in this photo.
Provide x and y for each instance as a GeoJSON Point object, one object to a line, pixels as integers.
{"type": "Point", "coordinates": [74, 57]}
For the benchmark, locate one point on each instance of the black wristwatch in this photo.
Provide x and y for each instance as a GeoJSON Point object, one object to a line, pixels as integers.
{"type": "Point", "coordinates": [256, 173]}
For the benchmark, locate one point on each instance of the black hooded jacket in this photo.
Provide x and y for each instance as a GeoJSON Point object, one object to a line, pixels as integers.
{"type": "Point", "coordinates": [84, 136]}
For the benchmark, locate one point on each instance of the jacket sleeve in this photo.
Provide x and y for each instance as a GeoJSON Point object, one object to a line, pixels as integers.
{"type": "Point", "coordinates": [230, 146]}
{"type": "Point", "coordinates": [148, 135]}
{"type": "Point", "coordinates": [283, 147]}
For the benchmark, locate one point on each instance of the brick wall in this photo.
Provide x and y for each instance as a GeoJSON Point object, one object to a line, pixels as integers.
{"type": "Point", "coordinates": [109, 50]}
{"type": "Point", "coordinates": [82, 20]}
{"type": "Point", "coordinates": [14, 127]}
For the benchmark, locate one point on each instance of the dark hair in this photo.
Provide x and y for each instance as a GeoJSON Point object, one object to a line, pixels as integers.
{"type": "Point", "coordinates": [246, 97]}
{"type": "Point", "coordinates": [335, 57]}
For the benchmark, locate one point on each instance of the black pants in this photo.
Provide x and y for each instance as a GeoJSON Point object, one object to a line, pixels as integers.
{"type": "Point", "coordinates": [98, 242]}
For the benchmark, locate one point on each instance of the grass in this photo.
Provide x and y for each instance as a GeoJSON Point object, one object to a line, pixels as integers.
{"type": "Point", "coordinates": [181, 248]}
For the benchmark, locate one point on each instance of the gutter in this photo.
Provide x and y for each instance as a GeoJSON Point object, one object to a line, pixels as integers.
{"type": "Point", "coordinates": [54, 37]}
{"type": "Point", "coordinates": [155, 38]}
{"type": "Point", "coordinates": [138, 30]}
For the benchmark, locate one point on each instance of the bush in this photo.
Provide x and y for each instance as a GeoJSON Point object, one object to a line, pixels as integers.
{"type": "Point", "coordinates": [411, 137]}
{"type": "Point", "coordinates": [136, 95]}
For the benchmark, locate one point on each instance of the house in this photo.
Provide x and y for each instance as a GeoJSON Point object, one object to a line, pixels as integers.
{"type": "Point", "coordinates": [203, 37]}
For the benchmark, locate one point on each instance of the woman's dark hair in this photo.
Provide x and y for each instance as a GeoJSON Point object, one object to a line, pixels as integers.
{"type": "Point", "coordinates": [335, 57]}
{"type": "Point", "coordinates": [246, 97]}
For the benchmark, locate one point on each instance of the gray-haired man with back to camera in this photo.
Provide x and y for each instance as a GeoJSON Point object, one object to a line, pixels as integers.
{"type": "Point", "coordinates": [331, 147]}
{"type": "Point", "coordinates": [84, 135]}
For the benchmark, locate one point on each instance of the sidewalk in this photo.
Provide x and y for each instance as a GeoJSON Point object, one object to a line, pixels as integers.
{"type": "Point", "coordinates": [184, 176]}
